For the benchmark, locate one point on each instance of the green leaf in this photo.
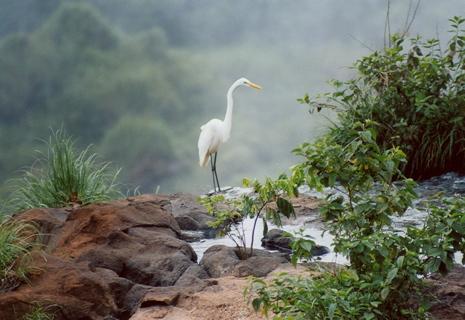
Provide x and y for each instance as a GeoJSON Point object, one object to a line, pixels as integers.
{"type": "Point", "coordinates": [331, 310]}
{"type": "Point", "coordinates": [256, 304]}
{"type": "Point", "coordinates": [400, 261]}
{"type": "Point", "coordinates": [385, 293]}
{"type": "Point", "coordinates": [368, 316]}
{"type": "Point", "coordinates": [306, 245]}
{"type": "Point", "coordinates": [391, 275]}
{"type": "Point", "coordinates": [285, 207]}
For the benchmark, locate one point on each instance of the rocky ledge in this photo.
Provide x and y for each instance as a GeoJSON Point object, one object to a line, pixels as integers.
{"type": "Point", "coordinates": [110, 260]}
{"type": "Point", "coordinates": [128, 259]}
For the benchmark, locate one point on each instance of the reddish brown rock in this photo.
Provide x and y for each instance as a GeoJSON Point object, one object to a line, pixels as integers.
{"type": "Point", "coordinates": [101, 259]}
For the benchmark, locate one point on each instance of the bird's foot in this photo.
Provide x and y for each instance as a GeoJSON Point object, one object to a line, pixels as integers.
{"type": "Point", "coordinates": [219, 191]}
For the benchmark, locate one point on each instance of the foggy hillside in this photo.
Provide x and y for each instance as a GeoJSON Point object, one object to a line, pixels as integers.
{"type": "Point", "coordinates": [138, 78]}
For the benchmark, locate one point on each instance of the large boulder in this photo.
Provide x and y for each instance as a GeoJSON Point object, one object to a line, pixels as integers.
{"type": "Point", "coordinates": [277, 239]}
{"type": "Point", "coordinates": [101, 259]}
{"type": "Point", "coordinates": [220, 260]}
{"type": "Point", "coordinates": [191, 215]}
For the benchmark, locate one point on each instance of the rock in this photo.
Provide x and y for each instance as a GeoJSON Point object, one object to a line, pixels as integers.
{"type": "Point", "coordinates": [158, 302]}
{"type": "Point", "coordinates": [188, 223]}
{"type": "Point", "coordinates": [161, 296]}
{"type": "Point", "coordinates": [133, 298]}
{"type": "Point", "coordinates": [276, 239]}
{"type": "Point", "coordinates": [221, 261]}
{"type": "Point", "coordinates": [191, 215]}
{"type": "Point", "coordinates": [306, 205]}
{"type": "Point", "coordinates": [72, 288]}
{"type": "Point", "coordinates": [192, 236]}
{"type": "Point", "coordinates": [193, 276]}
{"type": "Point", "coordinates": [102, 259]}
{"type": "Point", "coordinates": [318, 250]}
{"type": "Point", "coordinates": [449, 292]}
{"type": "Point", "coordinates": [164, 270]}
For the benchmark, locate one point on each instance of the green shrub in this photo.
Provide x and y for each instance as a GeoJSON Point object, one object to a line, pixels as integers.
{"type": "Point", "coordinates": [386, 265]}
{"type": "Point", "coordinates": [268, 202]}
{"type": "Point", "coordinates": [17, 241]}
{"type": "Point", "coordinates": [339, 295]}
{"type": "Point", "coordinates": [415, 92]}
{"type": "Point", "coordinates": [63, 177]}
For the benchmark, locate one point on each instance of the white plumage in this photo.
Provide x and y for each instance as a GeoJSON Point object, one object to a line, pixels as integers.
{"type": "Point", "coordinates": [216, 132]}
{"type": "Point", "coordinates": [210, 139]}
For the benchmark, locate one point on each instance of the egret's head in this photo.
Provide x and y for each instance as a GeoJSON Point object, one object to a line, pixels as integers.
{"type": "Point", "coordinates": [248, 83]}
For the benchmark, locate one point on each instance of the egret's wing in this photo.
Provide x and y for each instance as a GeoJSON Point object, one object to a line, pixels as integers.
{"type": "Point", "coordinates": [205, 141]}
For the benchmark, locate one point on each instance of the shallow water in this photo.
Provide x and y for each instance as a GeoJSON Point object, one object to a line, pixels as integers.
{"type": "Point", "coordinates": [449, 184]}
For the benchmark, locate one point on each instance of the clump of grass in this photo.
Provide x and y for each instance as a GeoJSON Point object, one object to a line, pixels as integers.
{"type": "Point", "coordinates": [38, 313]}
{"type": "Point", "coordinates": [63, 176]}
{"type": "Point", "coordinates": [17, 241]}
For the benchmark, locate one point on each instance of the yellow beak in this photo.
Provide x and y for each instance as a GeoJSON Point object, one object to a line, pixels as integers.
{"type": "Point", "coordinates": [254, 85]}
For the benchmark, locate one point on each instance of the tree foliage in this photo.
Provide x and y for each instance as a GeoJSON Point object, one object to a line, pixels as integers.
{"type": "Point", "coordinates": [414, 91]}
{"type": "Point", "coordinates": [78, 71]}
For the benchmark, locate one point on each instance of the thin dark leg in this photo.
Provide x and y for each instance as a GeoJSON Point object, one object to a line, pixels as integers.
{"type": "Point", "coordinates": [216, 173]}
{"type": "Point", "coordinates": [213, 173]}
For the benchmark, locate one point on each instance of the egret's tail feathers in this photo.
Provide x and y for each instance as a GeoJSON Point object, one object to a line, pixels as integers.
{"type": "Point", "coordinates": [203, 160]}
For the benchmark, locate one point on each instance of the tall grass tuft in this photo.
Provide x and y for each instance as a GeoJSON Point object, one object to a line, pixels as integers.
{"type": "Point", "coordinates": [38, 313]}
{"type": "Point", "coordinates": [64, 177]}
{"type": "Point", "coordinates": [17, 241]}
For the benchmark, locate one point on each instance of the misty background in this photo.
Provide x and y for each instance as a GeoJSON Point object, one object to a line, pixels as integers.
{"type": "Point", "coordinates": [138, 78]}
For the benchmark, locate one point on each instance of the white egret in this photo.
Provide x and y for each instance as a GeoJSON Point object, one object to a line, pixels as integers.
{"type": "Point", "coordinates": [216, 132]}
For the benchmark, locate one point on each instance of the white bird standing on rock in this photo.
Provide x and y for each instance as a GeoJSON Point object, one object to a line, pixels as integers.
{"type": "Point", "coordinates": [216, 132]}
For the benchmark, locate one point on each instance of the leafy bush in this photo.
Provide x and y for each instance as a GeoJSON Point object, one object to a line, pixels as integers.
{"type": "Point", "coordinates": [268, 201]}
{"type": "Point", "coordinates": [63, 177]}
{"type": "Point", "coordinates": [415, 92]}
{"type": "Point", "coordinates": [442, 235]}
{"type": "Point", "coordinates": [386, 265]}
{"type": "Point", "coordinates": [17, 241]}
{"type": "Point", "coordinates": [403, 99]}
{"type": "Point", "coordinates": [339, 295]}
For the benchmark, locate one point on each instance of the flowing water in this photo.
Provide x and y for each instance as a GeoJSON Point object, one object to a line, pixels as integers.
{"type": "Point", "coordinates": [446, 185]}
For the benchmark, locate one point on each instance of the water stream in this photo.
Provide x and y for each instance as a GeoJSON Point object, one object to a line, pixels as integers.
{"type": "Point", "coordinates": [449, 184]}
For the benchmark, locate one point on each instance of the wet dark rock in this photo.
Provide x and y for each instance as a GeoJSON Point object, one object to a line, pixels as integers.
{"type": "Point", "coordinates": [277, 239]}
{"type": "Point", "coordinates": [189, 214]}
{"type": "Point", "coordinates": [448, 184]}
{"type": "Point", "coordinates": [220, 260]}
{"type": "Point", "coordinates": [192, 236]}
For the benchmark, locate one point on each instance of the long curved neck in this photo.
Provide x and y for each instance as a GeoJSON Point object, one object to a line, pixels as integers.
{"type": "Point", "coordinates": [229, 110]}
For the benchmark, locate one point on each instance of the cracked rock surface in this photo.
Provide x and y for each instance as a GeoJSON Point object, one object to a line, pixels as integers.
{"type": "Point", "coordinates": [101, 260]}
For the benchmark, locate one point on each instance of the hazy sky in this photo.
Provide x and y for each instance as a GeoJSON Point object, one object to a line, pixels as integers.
{"type": "Point", "coordinates": [290, 47]}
